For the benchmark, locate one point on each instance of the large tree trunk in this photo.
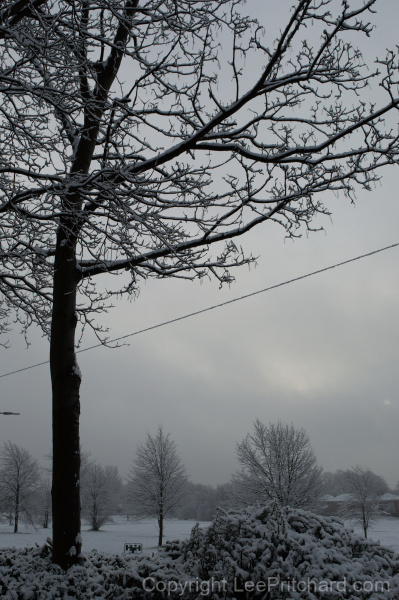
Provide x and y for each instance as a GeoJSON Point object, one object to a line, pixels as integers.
{"type": "Point", "coordinates": [65, 377]}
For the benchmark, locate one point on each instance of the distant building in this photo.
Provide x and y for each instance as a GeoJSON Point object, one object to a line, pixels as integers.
{"type": "Point", "coordinates": [390, 504]}
{"type": "Point", "coordinates": [331, 505]}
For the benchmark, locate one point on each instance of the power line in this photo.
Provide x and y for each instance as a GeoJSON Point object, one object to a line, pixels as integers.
{"type": "Point", "coordinates": [199, 312]}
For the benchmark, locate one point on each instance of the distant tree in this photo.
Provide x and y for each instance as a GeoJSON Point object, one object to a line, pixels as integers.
{"type": "Point", "coordinates": [19, 483]}
{"type": "Point", "coordinates": [334, 483]}
{"type": "Point", "coordinates": [115, 482]}
{"type": "Point", "coordinates": [157, 482]}
{"type": "Point", "coordinates": [364, 489]}
{"type": "Point", "coordinates": [101, 490]}
{"type": "Point", "coordinates": [202, 501]}
{"type": "Point", "coordinates": [278, 463]}
{"type": "Point", "coordinates": [44, 501]}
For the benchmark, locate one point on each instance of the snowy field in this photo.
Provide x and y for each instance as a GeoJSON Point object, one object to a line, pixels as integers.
{"type": "Point", "coordinates": [385, 531]}
{"type": "Point", "coordinates": [112, 537]}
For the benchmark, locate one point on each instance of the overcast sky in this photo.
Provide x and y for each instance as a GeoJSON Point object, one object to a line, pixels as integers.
{"type": "Point", "coordinates": [321, 353]}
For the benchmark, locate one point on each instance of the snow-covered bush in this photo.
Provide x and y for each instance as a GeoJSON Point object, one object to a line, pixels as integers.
{"type": "Point", "coordinates": [29, 574]}
{"type": "Point", "coordinates": [284, 553]}
{"type": "Point", "coordinates": [271, 554]}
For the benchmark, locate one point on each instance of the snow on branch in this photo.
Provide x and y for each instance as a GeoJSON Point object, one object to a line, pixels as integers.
{"type": "Point", "coordinates": [137, 138]}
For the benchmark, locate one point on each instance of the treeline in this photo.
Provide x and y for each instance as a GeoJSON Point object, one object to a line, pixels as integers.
{"type": "Point", "coordinates": [150, 492]}
{"type": "Point", "coordinates": [25, 492]}
{"type": "Point", "coordinates": [25, 489]}
{"type": "Point", "coordinates": [202, 501]}
{"type": "Point", "coordinates": [339, 482]}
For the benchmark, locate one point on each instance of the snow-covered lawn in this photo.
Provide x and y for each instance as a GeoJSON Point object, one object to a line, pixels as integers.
{"type": "Point", "coordinates": [110, 539]}
{"type": "Point", "coordinates": [113, 536]}
{"type": "Point", "coordinates": [385, 531]}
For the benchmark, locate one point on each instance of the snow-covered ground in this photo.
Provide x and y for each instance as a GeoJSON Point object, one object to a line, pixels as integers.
{"type": "Point", "coordinates": [385, 531]}
{"type": "Point", "coordinates": [112, 537]}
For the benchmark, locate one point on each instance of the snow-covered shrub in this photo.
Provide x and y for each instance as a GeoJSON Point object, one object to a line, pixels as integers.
{"type": "Point", "coordinates": [29, 574]}
{"type": "Point", "coordinates": [284, 553]}
{"type": "Point", "coordinates": [270, 554]}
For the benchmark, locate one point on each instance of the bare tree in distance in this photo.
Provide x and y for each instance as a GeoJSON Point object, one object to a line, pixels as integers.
{"type": "Point", "coordinates": [130, 145]}
{"type": "Point", "coordinates": [202, 501]}
{"type": "Point", "coordinates": [44, 501]}
{"type": "Point", "coordinates": [20, 481]}
{"type": "Point", "coordinates": [277, 463]}
{"type": "Point", "coordinates": [101, 490]}
{"type": "Point", "coordinates": [157, 482]}
{"type": "Point", "coordinates": [364, 489]}
{"type": "Point", "coordinates": [336, 483]}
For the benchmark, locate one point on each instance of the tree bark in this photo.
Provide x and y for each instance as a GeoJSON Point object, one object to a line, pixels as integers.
{"type": "Point", "coordinates": [65, 377]}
